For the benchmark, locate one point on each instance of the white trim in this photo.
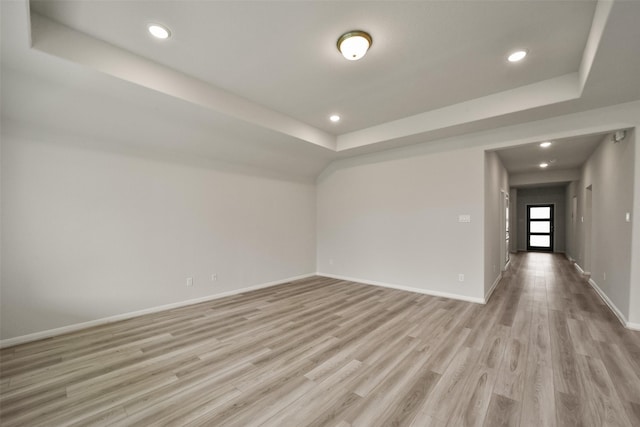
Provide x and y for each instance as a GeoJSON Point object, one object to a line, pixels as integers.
{"type": "Point", "coordinates": [613, 307]}
{"type": "Point", "coordinates": [105, 320]}
{"type": "Point", "coordinates": [493, 288]}
{"type": "Point", "coordinates": [576, 265]}
{"type": "Point", "coordinates": [580, 270]}
{"type": "Point", "coordinates": [406, 288]}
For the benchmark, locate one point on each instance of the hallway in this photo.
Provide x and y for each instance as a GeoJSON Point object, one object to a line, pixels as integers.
{"type": "Point", "coordinates": [544, 351]}
{"type": "Point", "coordinates": [582, 365]}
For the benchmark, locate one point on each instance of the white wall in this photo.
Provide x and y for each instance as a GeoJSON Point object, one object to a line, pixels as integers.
{"type": "Point", "coordinates": [495, 186]}
{"type": "Point", "coordinates": [88, 234]}
{"type": "Point", "coordinates": [91, 233]}
{"type": "Point", "coordinates": [393, 218]}
{"type": "Point", "coordinates": [634, 300]}
{"type": "Point", "coordinates": [610, 173]}
{"type": "Point", "coordinates": [513, 218]}
{"type": "Point", "coordinates": [571, 220]}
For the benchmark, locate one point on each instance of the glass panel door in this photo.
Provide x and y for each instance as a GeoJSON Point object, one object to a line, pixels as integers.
{"type": "Point", "coordinates": [540, 228]}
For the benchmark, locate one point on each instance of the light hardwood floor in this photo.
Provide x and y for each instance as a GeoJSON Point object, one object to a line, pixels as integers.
{"type": "Point", "coordinates": [544, 351]}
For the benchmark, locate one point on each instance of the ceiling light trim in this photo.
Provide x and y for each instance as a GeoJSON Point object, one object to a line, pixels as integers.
{"type": "Point", "coordinates": [517, 55]}
{"type": "Point", "coordinates": [159, 31]}
{"type": "Point", "coordinates": [354, 44]}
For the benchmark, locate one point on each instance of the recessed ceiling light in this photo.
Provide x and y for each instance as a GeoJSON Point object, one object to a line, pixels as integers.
{"type": "Point", "coordinates": [334, 118]}
{"type": "Point", "coordinates": [544, 165]}
{"type": "Point", "coordinates": [516, 56]}
{"type": "Point", "coordinates": [158, 31]}
{"type": "Point", "coordinates": [354, 44]}
{"type": "Point", "coordinates": [545, 144]}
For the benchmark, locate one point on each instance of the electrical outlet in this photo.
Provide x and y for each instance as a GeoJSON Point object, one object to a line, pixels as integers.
{"type": "Point", "coordinates": [214, 277]}
{"type": "Point", "coordinates": [460, 277]}
{"type": "Point", "coordinates": [604, 276]}
{"type": "Point", "coordinates": [189, 282]}
{"type": "Point", "coordinates": [331, 262]}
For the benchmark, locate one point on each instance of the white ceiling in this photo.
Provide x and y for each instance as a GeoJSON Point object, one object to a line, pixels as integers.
{"type": "Point", "coordinates": [567, 153]}
{"type": "Point", "coordinates": [254, 82]}
{"type": "Point", "coordinates": [282, 55]}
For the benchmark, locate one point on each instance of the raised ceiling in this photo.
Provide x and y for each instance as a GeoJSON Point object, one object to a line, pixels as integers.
{"type": "Point", "coordinates": [255, 82]}
{"type": "Point", "coordinates": [282, 55]}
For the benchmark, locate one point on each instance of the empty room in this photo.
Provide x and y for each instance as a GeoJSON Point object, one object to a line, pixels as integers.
{"type": "Point", "coordinates": [319, 213]}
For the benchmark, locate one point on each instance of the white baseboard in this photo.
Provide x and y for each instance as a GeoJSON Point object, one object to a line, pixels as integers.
{"type": "Point", "coordinates": [105, 320]}
{"type": "Point", "coordinates": [612, 306]}
{"type": "Point", "coordinates": [493, 288]}
{"type": "Point", "coordinates": [580, 270]}
{"type": "Point", "coordinates": [406, 288]}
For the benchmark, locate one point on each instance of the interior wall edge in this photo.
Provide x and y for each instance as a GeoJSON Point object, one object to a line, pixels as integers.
{"type": "Point", "coordinates": [494, 286]}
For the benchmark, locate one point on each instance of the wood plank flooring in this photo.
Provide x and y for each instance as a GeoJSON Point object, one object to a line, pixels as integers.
{"type": "Point", "coordinates": [544, 351]}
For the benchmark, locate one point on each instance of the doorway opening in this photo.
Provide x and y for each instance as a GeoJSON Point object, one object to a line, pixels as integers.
{"type": "Point", "coordinates": [540, 227]}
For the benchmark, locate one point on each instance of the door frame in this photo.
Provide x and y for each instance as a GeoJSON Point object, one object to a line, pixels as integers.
{"type": "Point", "coordinates": [504, 230]}
{"type": "Point", "coordinates": [552, 230]}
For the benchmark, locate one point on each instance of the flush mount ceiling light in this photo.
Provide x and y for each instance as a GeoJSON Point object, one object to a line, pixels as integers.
{"type": "Point", "coordinates": [517, 56]}
{"type": "Point", "coordinates": [159, 31]}
{"type": "Point", "coordinates": [334, 118]}
{"type": "Point", "coordinates": [545, 144]}
{"type": "Point", "coordinates": [544, 165]}
{"type": "Point", "coordinates": [354, 44]}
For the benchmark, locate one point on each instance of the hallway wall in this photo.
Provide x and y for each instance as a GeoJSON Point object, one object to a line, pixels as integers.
{"type": "Point", "coordinates": [496, 183]}
{"type": "Point", "coordinates": [610, 174]}
{"type": "Point", "coordinates": [634, 299]}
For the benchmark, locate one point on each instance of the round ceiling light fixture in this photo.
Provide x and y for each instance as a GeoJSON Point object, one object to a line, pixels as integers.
{"type": "Point", "coordinates": [334, 118]}
{"type": "Point", "coordinates": [544, 165]}
{"type": "Point", "coordinates": [545, 144]}
{"type": "Point", "coordinates": [517, 56]}
{"type": "Point", "coordinates": [159, 31]}
{"type": "Point", "coordinates": [354, 44]}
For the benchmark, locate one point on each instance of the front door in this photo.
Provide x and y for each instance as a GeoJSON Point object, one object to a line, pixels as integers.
{"type": "Point", "coordinates": [540, 228]}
